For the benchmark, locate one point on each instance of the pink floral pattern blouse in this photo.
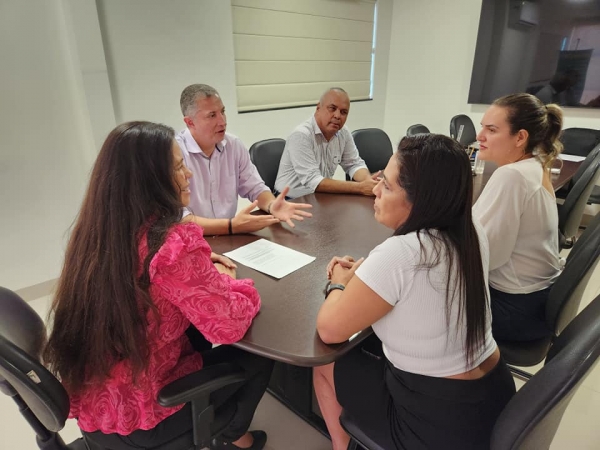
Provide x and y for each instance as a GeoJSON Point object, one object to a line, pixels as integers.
{"type": "Point", "coordinates": [186, 288]}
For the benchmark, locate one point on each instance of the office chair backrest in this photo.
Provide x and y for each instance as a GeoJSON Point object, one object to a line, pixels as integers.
{"type": "Point", "coordinates": [417, 129]}
{"type": "Point", "coordinates": [565, 295]}
{"type": "Point", "coordinates": [374, 147]}
{"type": "Point", "coordinates": [579, 141]}
{"type": "Point", "coordinates": [589, 159]}
{"type": "Point", "coordinates": [468, 134]}
{"type": "Point", "coordinates": [265, 155]}
{"type": "Point", "coordinates": [531, 418]}
{"type": "Point", "coordinates": [22, 337]}
{"type": "Point", "coordinates": [571, 211]}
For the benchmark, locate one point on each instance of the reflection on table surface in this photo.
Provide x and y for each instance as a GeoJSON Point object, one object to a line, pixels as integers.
{"type": "Point", "coordinates": [285, 328]}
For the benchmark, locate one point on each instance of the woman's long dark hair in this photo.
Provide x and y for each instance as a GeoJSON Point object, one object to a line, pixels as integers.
{"type": "Point", "coordinates": [436, 175]}
{"type": "Point", "coordinates": [101, 303]}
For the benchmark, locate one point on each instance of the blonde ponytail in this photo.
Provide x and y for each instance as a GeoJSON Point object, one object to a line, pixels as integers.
{"type": "Point", "coordinates": [551, 147]}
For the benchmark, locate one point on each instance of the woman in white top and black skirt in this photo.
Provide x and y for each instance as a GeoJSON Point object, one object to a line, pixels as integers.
{"type": "Point", "coordinates": [517, 209]}
{"type": "Point", "coordinates": [432, 376]}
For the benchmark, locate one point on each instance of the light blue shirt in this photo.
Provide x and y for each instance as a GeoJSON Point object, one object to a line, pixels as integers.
{"type": "Point", "coordinates": [217, 181]}
{"type": "Point", "coordinates": [308, 158]}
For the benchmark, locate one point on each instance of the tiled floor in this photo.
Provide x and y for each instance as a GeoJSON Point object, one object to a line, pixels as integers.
{"type": "Point", "coordinates": [579, 428]}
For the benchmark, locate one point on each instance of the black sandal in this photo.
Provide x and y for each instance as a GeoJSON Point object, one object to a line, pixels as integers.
{"type": "Point", "coordinates": [260, 439]}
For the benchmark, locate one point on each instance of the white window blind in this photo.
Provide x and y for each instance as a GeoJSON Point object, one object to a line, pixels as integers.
{"type": "Point", "coordinates": [288, 52]}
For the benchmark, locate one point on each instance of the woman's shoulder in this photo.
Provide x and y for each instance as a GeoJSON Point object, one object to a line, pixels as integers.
{"type": "Point", "coordinates": [510, 178]}
{"type": "Point", "coordinates": [401, 247]}
{"type": "Point", "coordinates": [526, 171]}
{"type": "Point", "coordinates": [509, 171]}
{"type": "Point", "coordinates": [186, 230]}
{"type": "Point", "coordinates": [190, 235]}
{"type": "Point", "coordinates": [181, 239]}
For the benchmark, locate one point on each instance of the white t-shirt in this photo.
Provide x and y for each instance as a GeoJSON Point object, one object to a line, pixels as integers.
{"type": "Point", "coordinates": [520, 219]}
{"type": "Point", "coordinates": [415, 334]}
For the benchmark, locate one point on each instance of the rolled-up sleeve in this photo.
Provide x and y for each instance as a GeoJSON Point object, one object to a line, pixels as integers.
{"type": "Point", "coordinates": [181, 272]}
{"type": "Point", "coordinates": [300, 148]}
{"type": "Point", "coordinates": [351, 161]}
{"type": "Point", "coordinates": [251, 185]}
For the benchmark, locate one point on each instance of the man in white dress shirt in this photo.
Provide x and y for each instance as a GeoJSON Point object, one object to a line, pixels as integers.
{"type": "Point", "coordinates": [316, 147]}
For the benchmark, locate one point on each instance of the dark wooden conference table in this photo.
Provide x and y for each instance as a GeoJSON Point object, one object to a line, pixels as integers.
{"type": "Point", "coordinates": [285, 328]}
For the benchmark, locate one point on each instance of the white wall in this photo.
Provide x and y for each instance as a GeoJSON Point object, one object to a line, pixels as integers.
{"type": "Point", "coordinates": [76, 69]}
{"type": "Point", "coordinates": [431, 59]}
{"type": "Point", "coordinates": [155, 48]}
{"type": "Point", "coordinates": [46, 140]}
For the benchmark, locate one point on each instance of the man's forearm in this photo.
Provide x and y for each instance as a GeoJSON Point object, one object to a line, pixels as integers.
{"type": "Point", "coordinates": [361, 174]}
{"type": "Point", "coordinates": [210, 226]}
{"type": "Point", "coordinates": [338, 187]}
{"type": "Point", "coordinates": [265, 199]}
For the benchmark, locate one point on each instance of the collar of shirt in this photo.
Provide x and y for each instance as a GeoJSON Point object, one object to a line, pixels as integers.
{"type": "Point", "coordinates": [193, 147]}
{"type": "Point", "coordinates": [317, 130]}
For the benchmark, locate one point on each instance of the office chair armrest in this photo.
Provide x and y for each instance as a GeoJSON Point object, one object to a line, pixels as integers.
{"type": "Point", "coordinates": [199, 384]}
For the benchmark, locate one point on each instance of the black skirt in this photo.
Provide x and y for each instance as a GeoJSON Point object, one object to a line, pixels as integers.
{"type": "Point", "coordinates": [402, 410]}
{"type": "Point", "coordinates": [519, 317]}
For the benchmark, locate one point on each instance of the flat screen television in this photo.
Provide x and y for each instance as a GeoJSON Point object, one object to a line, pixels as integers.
{"type": "Point", "coordinates": [548, 48]}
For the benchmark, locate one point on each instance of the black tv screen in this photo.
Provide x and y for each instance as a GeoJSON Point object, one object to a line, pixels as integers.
{"type": "Point", "coordinates": [548, 48]}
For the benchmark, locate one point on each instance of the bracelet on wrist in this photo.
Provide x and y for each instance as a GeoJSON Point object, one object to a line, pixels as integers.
{"type": "Point", "coordinates": [269, 208]}
{"type": "Point", "coordinates": [230, 226]}
{"type": "Point", "coordinates": [333, 286]}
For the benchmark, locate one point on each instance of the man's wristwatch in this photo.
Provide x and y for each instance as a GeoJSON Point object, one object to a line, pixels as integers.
{"type": "Point", "coordinates": [333, 286]}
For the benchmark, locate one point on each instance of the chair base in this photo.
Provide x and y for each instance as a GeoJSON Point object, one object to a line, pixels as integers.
{"type": "Point", "coordinates": [520, 374]}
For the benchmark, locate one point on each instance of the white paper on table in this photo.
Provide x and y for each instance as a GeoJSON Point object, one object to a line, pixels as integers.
{"type": "Point", "coordinates": [573, 158]}
{"type": "Point", "coordinates": [270, 258]}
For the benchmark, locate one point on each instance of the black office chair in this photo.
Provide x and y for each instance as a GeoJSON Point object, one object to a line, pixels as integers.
{"type": "Point", "coordinates": [594, 198]}
{"type": "Point", "coordinates": [589, 159]}
{"type": "Point", "coordinates": [468, 134]}
{"type": "Point", "coordinates": [374, 147]}
{"type": "Point", "coordinates": [44, 403]}
{"type": "Point", "coordinates": [530, 420]}
{"type": "Point", "coordinates": [570, 212]}
{"type": "Point", "coordinates": [265, 155]}
{"type": "Point", "coordinates": [579, 141]}
{"type": "Point", "coordinates": [417, 129]}
{"type": "Point", "coordinates": [358, 438]}
{"type": "Point", "coordinates": [563, 302]}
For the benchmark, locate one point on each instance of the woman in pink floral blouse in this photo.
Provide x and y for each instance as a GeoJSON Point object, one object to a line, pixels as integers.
{"type": "Point", "coordinates": [136, 280]}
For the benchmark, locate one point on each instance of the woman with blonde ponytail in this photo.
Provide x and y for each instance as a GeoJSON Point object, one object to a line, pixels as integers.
{"type": "Point", "coordinates": [518, 211]}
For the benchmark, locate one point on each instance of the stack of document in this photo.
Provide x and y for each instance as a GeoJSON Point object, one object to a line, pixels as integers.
{"type": "Point", "coordinates": [269, 258]}
{"type": "Point", "coordinates": [573, 158]}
